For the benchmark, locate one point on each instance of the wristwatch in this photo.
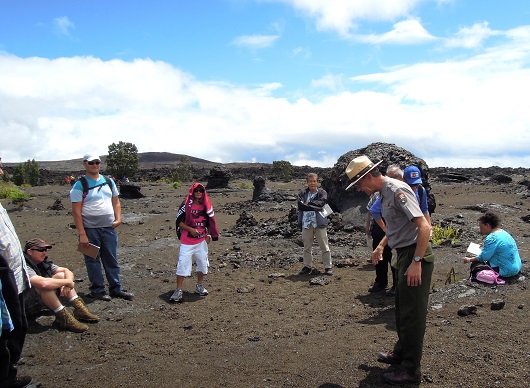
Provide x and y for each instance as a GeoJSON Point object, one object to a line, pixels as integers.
{"type": "Point", "coordinates": [417, 259]}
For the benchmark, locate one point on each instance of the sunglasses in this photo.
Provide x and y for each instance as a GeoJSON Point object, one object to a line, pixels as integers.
{"type": "Point", "coordinates": [198, 190]}
{"type": "Point", "coordinates": [40, 249]}
{"type": "Point", "coordinates": [97, 163]}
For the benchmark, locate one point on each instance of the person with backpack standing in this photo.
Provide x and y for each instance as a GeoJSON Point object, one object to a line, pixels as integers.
{"type": "Point", "coordinates": [97, 213]}
{"type": "Point", "coordinates": [376, 228]}
{"type": "Point", "coordinates": [196, 228]}
{"type": "Point", "coordinates": [412, 176]}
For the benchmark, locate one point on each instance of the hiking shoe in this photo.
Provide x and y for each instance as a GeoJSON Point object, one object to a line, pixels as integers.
{"type": "Point", "coordinates": [391, 291]}
{"type": "Point", "coordinates": [305, 271]}
{"type": "Point", "coordinates": [81, 312]}
{"type": "Point", "coordinates": [177, 296]}
{"type": "Point", "coordinates": [401, 378]}
{"type": "Point", "coordinates": [376, 287]}
{"type": "Point", "coordinates": [328, 271]}
{"type": "Point", "coordinates": [20, 382]}
{"type": "Point", "coordinates": [389, 358]}
{"type": "Point", "coordinates": [199, 289]}
{"type": "Point", "coordinates": [123, 295]}
{"type": "Point", "coordinates": [97, 296]}
{"type": "Point", "coordinates": [66, 321]}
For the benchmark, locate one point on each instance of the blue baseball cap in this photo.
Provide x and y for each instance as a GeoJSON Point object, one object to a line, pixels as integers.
{"type": "Point", "coordinates": [412, 175]}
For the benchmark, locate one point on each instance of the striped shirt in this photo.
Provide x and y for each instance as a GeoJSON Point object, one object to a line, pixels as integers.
{"type": "Point", "coordinates": [11, 250]}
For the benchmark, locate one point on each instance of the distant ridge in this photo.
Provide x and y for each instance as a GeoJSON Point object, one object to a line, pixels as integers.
{"type": "Point", "coordinates": [167, 157]}
{"type": "Point", "coordinates": [146, 159]}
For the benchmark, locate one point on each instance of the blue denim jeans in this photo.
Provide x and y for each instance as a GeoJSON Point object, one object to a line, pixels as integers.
{"type": "Point", "coordinates": [107, 240]}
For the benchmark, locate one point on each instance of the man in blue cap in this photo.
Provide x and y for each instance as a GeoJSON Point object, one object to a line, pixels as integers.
{"type": "Point", "coordinates": [412, 176]}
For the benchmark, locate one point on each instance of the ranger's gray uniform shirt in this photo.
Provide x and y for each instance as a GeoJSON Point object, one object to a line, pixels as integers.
{"type": "Point", "coordinates": [399, 208]}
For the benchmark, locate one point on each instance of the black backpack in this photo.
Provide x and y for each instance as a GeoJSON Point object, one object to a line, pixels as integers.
{"type": "Point", "coordinates": [86, 189]}
{"type": "Point", "coordinates": [431, 200]}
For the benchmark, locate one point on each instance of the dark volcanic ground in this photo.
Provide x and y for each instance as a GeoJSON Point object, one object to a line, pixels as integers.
{"type": "Point", "coordinates": [263, 326]}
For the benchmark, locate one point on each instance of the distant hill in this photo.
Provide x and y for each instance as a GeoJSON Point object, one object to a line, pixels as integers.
{"type": "Point", "coordinates": [147, 160]}
{"type": "Point", "coordinates": [167, 157]}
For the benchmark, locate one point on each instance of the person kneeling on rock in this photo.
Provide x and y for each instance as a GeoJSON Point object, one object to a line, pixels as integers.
{"type": "Point", "coordinates": [48, 282]}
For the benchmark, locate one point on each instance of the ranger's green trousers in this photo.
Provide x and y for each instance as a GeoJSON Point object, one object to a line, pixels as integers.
{"type": "Point", "coordinates": [411, 309]}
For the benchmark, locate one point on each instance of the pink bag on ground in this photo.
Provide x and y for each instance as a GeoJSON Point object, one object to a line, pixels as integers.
{"type": "Point", "coordinates": [489, 276]}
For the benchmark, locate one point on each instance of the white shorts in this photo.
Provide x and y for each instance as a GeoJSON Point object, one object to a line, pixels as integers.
{"type": "Point", "coordinates": [199, 252]}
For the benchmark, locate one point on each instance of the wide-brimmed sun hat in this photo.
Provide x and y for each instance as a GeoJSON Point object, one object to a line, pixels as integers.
{"type": "Point", "coordinates": [358, 168]}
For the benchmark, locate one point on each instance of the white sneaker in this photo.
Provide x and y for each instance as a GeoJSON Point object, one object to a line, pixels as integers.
{"type": "Point", "coordinates": [199, 289]}
{"type": "Point", "coordinates": [177, 296]}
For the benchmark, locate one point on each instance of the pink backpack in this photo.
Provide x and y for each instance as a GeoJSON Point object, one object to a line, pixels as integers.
{"type": "Point", "coordinates": [489, 276]}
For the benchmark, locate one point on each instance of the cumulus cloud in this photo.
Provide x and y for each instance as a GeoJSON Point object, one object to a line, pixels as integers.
{"type": "Point", "coordinates": [468, 109]}
{"type": "Point", "coordinates": [342, 16]}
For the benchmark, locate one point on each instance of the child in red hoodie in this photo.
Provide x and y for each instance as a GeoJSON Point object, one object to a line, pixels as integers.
{"type": "Point", "coordinates": [196, 227]}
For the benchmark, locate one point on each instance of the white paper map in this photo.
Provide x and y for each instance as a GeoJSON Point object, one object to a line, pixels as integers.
{"type": "Point", "coordinates": [326, 211]}
{"type": "Point", "coordinates": [474, 249]}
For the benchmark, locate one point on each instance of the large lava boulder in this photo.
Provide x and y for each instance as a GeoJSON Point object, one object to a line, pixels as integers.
{"type": "Point", "coordinates": [130, 191]}
{"type": "Point", "coordinates": [352, 204]}
{"type": "Point", "coordinates": [219, 178]}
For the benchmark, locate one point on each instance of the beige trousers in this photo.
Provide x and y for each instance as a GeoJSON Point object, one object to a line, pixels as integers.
{"type": "Point", "coordinates": [321, 235]}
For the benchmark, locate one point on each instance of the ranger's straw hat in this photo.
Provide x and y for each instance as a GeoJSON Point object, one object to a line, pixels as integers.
{"type": "Point", "coordinates": [359, 167]}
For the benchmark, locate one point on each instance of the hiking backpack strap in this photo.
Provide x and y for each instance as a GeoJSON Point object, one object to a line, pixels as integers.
{"type": "Point", "coordinates": [86, 189]}
{"type": "Point", "coordinates": [421, 192]}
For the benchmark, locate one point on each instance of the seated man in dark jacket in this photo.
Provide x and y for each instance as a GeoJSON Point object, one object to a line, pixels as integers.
{"type": "Point", "coordinates": [48, 282]}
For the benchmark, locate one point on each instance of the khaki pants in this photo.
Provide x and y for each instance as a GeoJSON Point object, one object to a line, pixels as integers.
{"type": "Point", "coordinates": [321, 235]}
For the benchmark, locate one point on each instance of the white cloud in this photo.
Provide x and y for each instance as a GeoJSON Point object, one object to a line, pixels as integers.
{"type": "Point", "coordinates": [63, 25]}
{"type": "Point", "coordinates": [341, 15]}
{"type": "Point", "coordinates": [333, 82]}
{"type": "Point", "coordinates": [255, 41]}
{"type": "Point", "coordinates": [471, 37]}
{"type": "Point", "coordinates": [470, 110]}
{"type": "Point", "coordinates": [405, 32]}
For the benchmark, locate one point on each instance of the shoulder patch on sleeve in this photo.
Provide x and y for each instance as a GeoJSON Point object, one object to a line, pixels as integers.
{"type": "Point", "coordinates": [401, 198]}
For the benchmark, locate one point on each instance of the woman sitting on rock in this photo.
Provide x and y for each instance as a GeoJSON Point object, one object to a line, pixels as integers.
{"type": "Point", "coordinates": [499, 249]}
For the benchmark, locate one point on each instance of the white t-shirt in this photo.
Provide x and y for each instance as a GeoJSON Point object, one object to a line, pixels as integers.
{"type": "Point", "coordinates": [97, 210]}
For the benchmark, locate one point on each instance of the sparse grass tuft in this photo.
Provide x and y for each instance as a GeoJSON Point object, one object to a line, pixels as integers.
{"type": "Point", "coordinates": [245, 185]}
{"type": "Point", "coordinates": [175, 185]}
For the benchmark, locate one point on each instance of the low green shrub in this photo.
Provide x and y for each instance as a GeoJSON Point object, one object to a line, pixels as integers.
{"type": "Point", "coordinates": [440, 234]}
{"type": "Point", "coordinates": [13, 193]}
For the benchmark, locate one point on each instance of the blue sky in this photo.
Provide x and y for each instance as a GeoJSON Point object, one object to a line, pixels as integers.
{"type": "Point", "coordinates": [264, 80]}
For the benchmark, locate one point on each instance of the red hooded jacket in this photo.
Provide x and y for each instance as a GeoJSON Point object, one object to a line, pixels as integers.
{"type": "Point", "coordinates": [184, 213]}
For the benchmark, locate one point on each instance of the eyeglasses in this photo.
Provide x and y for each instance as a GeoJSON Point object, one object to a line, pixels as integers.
{"type": "Point", "coordinates": [198, 189]}
{"type": "Point", "coordinates": [40, 249]}
{"type": "Point", "coordinates": [97, 163]}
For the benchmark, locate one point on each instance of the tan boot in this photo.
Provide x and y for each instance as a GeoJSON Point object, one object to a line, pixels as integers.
{"type": "Point", "coordinates": [66, 321]}
{"type": "Point", "coordinates": [81, 312]}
